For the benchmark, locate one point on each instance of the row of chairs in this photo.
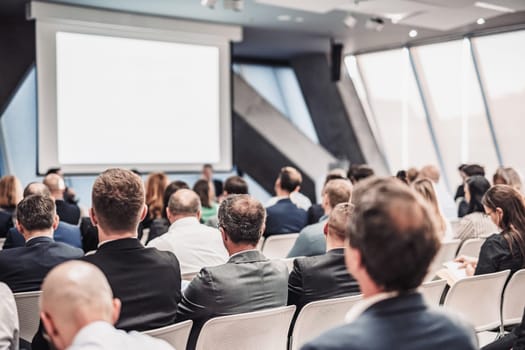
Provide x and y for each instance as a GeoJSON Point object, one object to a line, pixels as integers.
{"type": "Point", "coordinates": [450, 249]}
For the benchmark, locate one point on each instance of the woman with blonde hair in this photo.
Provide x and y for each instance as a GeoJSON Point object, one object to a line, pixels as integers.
{"type": "Point", "coordinates": [507, 176]}
{"type": "Point", "coordinates": [10, 195]}
{"type": "Point", "coordinates": [156, 184]}
{"type": "Point", "coordinates": [425, 188]}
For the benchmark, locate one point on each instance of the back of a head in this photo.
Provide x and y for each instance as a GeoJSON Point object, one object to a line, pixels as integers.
{"type": "Point", "coordinates": [333, 174]}
{"type": "Point", "coordinates": [171, 189]}
{"type": "Point", "coordinates": [358, 172]}
{"type": "Point", "coordinates": [156, 183]}
{"type": "Point", "coordinates": [235, 185]}
{"type": "Point", "coordinates": [412, 174]}
{"type": "Point", "coordinates": [431, 172]}
{"type": "Point", "coordinates": [118, 200]}
{"type": "Point", "coordinates": [36, 212]}
{"type": "Point", "coordinates": [477, 187]}
{"type": "Point", "coordinates": [395, 232]}
{"type": "Point", "coordinates": [242, 217]}
{"type": "Point", "coordinates": [36, 188]}
{"type": "Point", "coordinates": [339, 220]}
{"type": "Point", "coordinates": [290, 178]}
{"type": "Point", "coordinates": [473, 170]}
{"type": "Point", "coordinates": [10, 191]}
{"type": "Point", "coordinates": [338, 191]}
{"type": "Point", "coordinates": [76, 293]}
{"type": "Point", "coordinates": [202, 188]}
{"type": "Point", "coordinates": [425, 188]}
{"type": "Point", "coordinates": [55, 183]}
{"type": "Point", "coordinates": [184, 202]}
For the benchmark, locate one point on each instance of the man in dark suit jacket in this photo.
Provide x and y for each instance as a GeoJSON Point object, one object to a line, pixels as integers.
{"type": "Point", "coordinates": [146, 280]}
{"type": "Point", "coordinates": [392, 240]}
{"type": "Point", "coordinates": [23, 269]}
{"type": "Point", "coordinates": [324, 276]}
{"type": "Point", "coordinates": [284, 216]}
{"type": "Point", "coordinates": [230, 288]}
{"type": "Point", "coordinates": [67, 212]}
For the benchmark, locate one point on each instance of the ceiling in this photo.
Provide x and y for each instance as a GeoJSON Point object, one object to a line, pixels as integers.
{"type": "Point", "coordinates": [309, 25]}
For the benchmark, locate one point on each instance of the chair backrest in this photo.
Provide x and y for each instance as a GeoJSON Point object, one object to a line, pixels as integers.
{"type": "Point", "coordinates": [447, 252]}
{"type": "Point", "coordinates": [176, 334]}
{"type": "Point", "coordinates": [432, 291]}
{"type": "Point", "coordinates": [478, 299]}
{"type": "Point", "coordinates": [289, 263]}
{"type": "Point", "coordinates": [259, 330]}
{"type": "Point", "coordinates": [278, 246]}
{"type": "Point", "coordinates": [471, 247]}
{"type": "Point", "coordinates": [513, 299]}
{"type": "Point", "coordinates": [28, 313]}
{"type": "Point", "coordinates": [319, 316]}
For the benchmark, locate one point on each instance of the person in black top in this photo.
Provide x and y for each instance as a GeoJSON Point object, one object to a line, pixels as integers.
{"type": "Point", "coordinates": [10, 195]}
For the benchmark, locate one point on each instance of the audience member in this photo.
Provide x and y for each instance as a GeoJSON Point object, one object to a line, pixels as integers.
{"type": "Point", "coordinates": [65, 233]}
{"type": "Point", "coordinates": [10, 195]}
{"type": "Point", "coordinates": [89, 234]}
{"type": "Point", "coordinates": [284, 216]}
{"type": "Point", "coordinates": [324, 276]}
{"type": "Point", "coordinates": [216, 185]}
{"type": "Point", "coordinates": [507, 176]}
{"type": "Point", "coordinates": [445, 200]}
{"type": "Point", "coordinates": [79, 312]}
{"type": "Point", "coordinates": [69, 193]}
{"type": "Point", "coordinates": [194, 244]}
{"type": "Point", "coordinates": [156, 184]}
{"type": "Point", "coordinates": [402, 175]}
{"type": "Point", "coordinates": [358, 172]}
{"type": "Point", "coordinates": [24, 268]}
{"type": "Point", "coordinates": [161, 225]}
{"type": "Point", "coordinates": [425, 188]}
{"type": "Point", "coordinates": [247, 282]}
{"type": "Point", "coordinates": [504, 250]}
{"type": "Point", "coordinates": [9, 329]}
{"type": "Point", "coordinates": [392, 241]}
{"type": "Point", "coordinates": [67, 212]}
{"type": "Point", "coordinates": [475, 223]}
{"type": "Point", "coordinates": [232, 185]}
{"type": "Point", "coordinates": [311, 240]}
{"type": "Point", "coordinates": [467, 170]}
{"type": "Point", "coordinates": [316, 211]}
{"type": "Point", "coordinates": [205, 193]}
{"type": "Point", "coordinates": [412, 174]}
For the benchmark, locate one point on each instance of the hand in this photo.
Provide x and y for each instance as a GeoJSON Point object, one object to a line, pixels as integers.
{"type": "Point", "coordinates": [467, 262]}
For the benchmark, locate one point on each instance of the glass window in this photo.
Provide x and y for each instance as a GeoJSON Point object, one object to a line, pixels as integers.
{"type": "Point", "coordinates": [455, 104]}
{"type": "Point", "coordinates": [279, 86]}
{"type": "Point", "coordinates": [501, 60]}
{"type": "Point", "coordinates": [396, 105]}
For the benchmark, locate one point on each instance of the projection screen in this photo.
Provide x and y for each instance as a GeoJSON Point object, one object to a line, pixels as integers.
{"type": "Point", "coordinates": [125, 90]}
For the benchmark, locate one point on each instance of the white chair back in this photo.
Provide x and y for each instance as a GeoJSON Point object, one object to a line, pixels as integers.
{"type": "Point", "coordinates": [432, 291]}
{"type": "Point", "coordinates": [28, 313]}
{"type": "Point", "coordinates": [188, 276]}
{"type": "Point", "coordinates": [478, 299]}
{"type": "Point", "coordinates": [278, 246]}
{"type": "Point", "coordinates": [447, 252]}
{"type": "Point", "coordinates": [471, 247]}
{"type": "Point", "coordinates": [514, 299]}
{"type": "Point", "coordinates": [176, 334]}
{"type": "Point", "coordinates": [259, 330]}
{"type": "Point", "coordinates": [319, 316]}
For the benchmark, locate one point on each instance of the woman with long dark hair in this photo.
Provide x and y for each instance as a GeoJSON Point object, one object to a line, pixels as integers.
{"type": "Point", "coordinates": [504, 250]}
{"type": "Point", "coordinates": [475, 223]}
{"type": "Point", "coordinates": [206, 193]}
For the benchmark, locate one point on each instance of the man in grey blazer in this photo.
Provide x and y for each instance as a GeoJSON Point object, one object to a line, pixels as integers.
{"type": "Point", "coordinates": [247, 282]}
{"type": "Point", "coordinates": [391, 241]}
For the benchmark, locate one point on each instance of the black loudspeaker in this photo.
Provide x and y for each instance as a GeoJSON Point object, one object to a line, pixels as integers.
{"type": "Point", "coordinates": [336, 55]}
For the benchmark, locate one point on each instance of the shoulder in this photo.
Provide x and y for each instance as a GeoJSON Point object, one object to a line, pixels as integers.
{"type": "Point", "coordinates": [495, 240]}
{"type": "Point", "coordinates": [345, 337]}
{"type": "Point", "coordinates": [62, 225]}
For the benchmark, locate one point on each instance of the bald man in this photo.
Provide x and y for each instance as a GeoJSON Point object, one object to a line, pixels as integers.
{"type": "Point", "coordinates": [194, 244]}
{"type": "Point", "coordinates": [67, 212]}
{"type": "Point", "coordinates": [285, 216]}
{"type": "Point", "coordinates": [79, 312]}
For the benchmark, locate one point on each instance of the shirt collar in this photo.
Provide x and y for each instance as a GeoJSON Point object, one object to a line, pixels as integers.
{"type": "Point", "coordinates": [97, 327]}
{"type": "Point", "coordinates": [185, 221]}
{"type": "Point", "coordinates": [243, 251]}
{"type": "Point", "coordinates": [366, 303]}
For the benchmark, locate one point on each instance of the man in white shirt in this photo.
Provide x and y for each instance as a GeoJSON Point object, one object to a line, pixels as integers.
{"type": "Point", "coordinates": [78, 311]}
{"type": "Point", "coordinates": [9, 319]}
{"type": "Point", "coordinates": [195, 245]}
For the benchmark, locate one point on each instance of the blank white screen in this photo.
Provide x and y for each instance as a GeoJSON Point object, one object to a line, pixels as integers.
{"type": "Point", "coordinates": [133, 101]}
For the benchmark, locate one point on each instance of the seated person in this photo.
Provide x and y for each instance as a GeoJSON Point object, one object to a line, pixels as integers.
{"type": "Point", "coordinates": [324, 276]}
{"type": "Point", "coordinates": [311, 240]}
{"type": "Point", "coordinates": [9, 328]}
{"type": "Point", "coordinates": [232, 185]}
{"type": "Point", "coordinates": [284, 216]}
{"type": "Point", "coordinates": [230, 288]}
{"type": "Point", "coordinates": [10, 196]}
{"type": "Point", "coordinates": [79, 312]}
{"type": "Point", "coordinates": [68, 212]}
{"type": "Point", "coordinates": [24, 268]}
{"type": "Point", "coordinates": [65, 233]}
{"type": "Point", "coordinates": [391, 242]}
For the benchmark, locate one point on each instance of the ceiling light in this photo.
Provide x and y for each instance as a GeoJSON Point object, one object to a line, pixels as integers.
{"type": "Point", "coordinates": [488, 6]}
{"type": "Point", "coordinates": [375, 23]}
{"type": "Point", "coordinates": [284, 18]}
{"type": "Point", "coordinates": [412, 33]}
{"type": "Point", "coordinates": [209, 3]}
{"type": "Point", "coordinates": [350, 21]}
{"type": "Point", "coordinates": [480, 21]}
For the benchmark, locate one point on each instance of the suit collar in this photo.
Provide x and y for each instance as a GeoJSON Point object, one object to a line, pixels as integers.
{"type": "Point", "coordinates": [247, 256]}
{"type": "Point", "coordinates": [284, 200]}
{"type": "Point", "coordinates": [38, 240]}
{"type": "Point", "coordinates": [399, 304]}
{"type": "Point", "coordinates": [336, 251]}
{"type": "Point", "coordinates": [121, 244]}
